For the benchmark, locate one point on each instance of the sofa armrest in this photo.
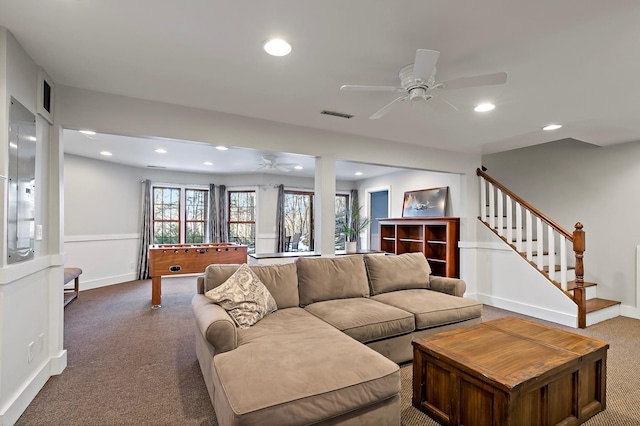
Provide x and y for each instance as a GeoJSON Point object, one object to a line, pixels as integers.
{"type": "Point", "coordinates": [452, 286]}
{"type": "Point", "coordinates": [215, 324]}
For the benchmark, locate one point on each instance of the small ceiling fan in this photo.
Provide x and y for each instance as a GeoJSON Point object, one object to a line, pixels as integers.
{"type": "Point", "coordinates": [418, 83]}
{"type": "Point", "coordinates": [269, 162]}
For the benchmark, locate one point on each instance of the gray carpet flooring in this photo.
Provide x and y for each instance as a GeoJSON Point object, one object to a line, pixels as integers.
{"type": "Point", "coordinates": [131, 365]}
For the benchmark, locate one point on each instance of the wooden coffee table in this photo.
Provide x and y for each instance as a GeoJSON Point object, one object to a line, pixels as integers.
{"type": "Point", "coordinates": [509, 372]}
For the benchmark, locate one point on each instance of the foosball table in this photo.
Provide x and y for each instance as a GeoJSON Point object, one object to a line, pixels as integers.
{"type": "Point", "coordinates": [176, 259]}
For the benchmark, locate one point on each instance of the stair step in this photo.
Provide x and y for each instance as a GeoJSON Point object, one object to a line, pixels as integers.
{"type": "Point", "coordinates": [534, 253]}
{"type": "Point", "coordinates": [557, 268]}
{"type": "Point", "coordinates": [597, 304]}
{"type": "Point", "coordinates": [572, 284]}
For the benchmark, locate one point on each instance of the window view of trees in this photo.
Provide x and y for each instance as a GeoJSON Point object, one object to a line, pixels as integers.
{"type": "Point", "coordinates": [298, 224]}
{"type": "Point", "coordinates": [179, 215]}
{"type": "Point", "coordinates": [196, 215]}
{"type": "Point", "coordinates": [166, 215]}
{"type": "Point", "coordinates": [342, 201]}
{"type": "Point", "coordinates": [242, 218]}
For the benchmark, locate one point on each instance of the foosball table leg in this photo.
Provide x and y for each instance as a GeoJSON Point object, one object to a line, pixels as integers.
{"type": "Point", "coordinates": [156, 293]}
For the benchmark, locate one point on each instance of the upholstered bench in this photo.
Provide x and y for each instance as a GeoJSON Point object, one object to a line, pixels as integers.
{"type": "Point", "coordinates": [71, 274]}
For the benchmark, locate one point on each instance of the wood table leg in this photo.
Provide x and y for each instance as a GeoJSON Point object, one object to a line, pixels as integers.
{"type": "Point", "coordinates": [156, 292]}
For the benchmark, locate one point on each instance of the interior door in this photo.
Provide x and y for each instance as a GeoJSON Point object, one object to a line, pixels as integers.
{"type": "Point", "coordinates": [379, 202]}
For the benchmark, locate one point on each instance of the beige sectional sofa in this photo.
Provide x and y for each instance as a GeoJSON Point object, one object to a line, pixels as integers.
{"type": "Point", "coordinates": [328, 355]}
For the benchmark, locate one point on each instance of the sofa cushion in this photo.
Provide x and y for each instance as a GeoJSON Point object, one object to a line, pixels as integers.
{"type": "Point", "coordinates": [364, 319]}
{"type": "Point", "coordinates": [432, 308]}
{"type": "Point", "coordinates": [402, 272]}
{"type": "Point", "coordinates": [331, 278]}
{"type": "Point", "coordinates": [244, 297]}
{"type": "Point", "coordinates": [280, 280]}
{"type": "Point", "coordinates": [293, 368]}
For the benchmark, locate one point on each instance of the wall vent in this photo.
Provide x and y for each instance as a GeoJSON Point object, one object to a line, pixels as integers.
{"type": "Point", "coordinates": [156, 167]}
{"type": "Point", "coordinates": [336, 114]}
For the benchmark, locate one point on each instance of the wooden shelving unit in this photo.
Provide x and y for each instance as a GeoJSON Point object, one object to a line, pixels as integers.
{"type": "Point", "coordinates": [436, 237]}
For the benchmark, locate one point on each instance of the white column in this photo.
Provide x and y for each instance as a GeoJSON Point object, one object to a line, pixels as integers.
{"type": "Point", "coordinates": [324, 206]}
{"type": "Point", "coordinates": [54, 235]}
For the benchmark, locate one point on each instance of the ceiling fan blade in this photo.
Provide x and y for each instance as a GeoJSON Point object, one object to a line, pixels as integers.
{"type": "Point", "coordinates": [424, 64]}
{"type": "Point", "coordinates": [385, 109]}
{"type": "Point", "coordinates": [479, 80]}
{"type": "Point", "coordinates": [356, 88]}
{"type": "Point", "coordinates": [442, 104]}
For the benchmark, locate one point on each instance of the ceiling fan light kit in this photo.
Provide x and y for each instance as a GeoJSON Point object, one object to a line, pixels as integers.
{"type": "Point", "coordinates": [418, 83]}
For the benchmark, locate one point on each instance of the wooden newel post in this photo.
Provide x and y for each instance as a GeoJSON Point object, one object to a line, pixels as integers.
{"type": "Point", "coordinates": [579, 294]}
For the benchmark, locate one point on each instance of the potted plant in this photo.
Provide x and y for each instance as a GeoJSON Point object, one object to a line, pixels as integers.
{"type": "Point", "coordinates": [353, 227]}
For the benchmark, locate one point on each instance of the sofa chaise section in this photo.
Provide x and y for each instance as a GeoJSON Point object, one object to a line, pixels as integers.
{"type": "Point", "coordinates": [292, 368]}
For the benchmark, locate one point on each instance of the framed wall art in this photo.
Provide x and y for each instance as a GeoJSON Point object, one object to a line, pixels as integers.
{"type": "Point", "coordinates": [425, 202]}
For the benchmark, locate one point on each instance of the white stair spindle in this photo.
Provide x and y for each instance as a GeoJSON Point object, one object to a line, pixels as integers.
{"type": "Point", "coordinates": [540, 246]}
{"type": "Point", "coordinates": [483, 199]}
{"type": "Point", "coordinates": [509, 214]}
{"type": "Point", "coordinates": [563, 262]}
{"type": "Point", "coordinates": [500, 212]}
{"type": "Point", "coordinates": [519, 227]}
{"type": "Point", "coordinates": [529, 241]}
{"type": "Point", "coordinates": [492, 210]}
{"type": "Point", "coordinates": [551, 243]}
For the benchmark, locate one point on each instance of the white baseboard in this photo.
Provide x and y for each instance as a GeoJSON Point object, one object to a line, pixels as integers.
{"type": "Point", "coordinates": [533, 311]}
{"type": "Point", "coordinates": [103, 282]}
{"type": "Point", "coordinates": [12, 410]}
{"type": "Point", "coordinates": [630, 311]}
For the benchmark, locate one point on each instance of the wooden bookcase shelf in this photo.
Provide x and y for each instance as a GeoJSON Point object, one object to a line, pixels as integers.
{"type": "Point", "coordinates": [436, 237]}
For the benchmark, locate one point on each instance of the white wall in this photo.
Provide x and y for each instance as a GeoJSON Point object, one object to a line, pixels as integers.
{"type": "Point", "coordinates": [30, 291]}
{"type": "Point", "coordinates": [571, 182]}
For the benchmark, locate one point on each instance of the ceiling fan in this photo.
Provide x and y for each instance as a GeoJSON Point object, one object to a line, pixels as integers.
{"type": "Point", "coordinates": [418, 83]}
{"type": "Point", "coordinates": [269, 162]}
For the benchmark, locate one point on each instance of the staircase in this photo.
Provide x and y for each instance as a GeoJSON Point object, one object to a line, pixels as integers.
{"type": "Point", "coordinates": [553, 251]}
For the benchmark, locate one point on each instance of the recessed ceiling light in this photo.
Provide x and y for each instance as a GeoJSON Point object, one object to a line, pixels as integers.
{"type": "Point", "coordinates": [208, 163]}
{"type": "Point", "coordinates": [87, 132]}
{"type": "Point", "coordinates": [484, 107]}
{"type": "Point", "coordinates": [221, 148]}
{"type": "Point", "coordinates": [277, 47]}
{"type": "Point", "coordinates": [552, 127]}
{"type": "Point", "coordinates": [13, 145]}
{"type": "Point", "coordinates": [298, 167]}
{"type": "Point", "coordinates": [32, 138]}
{"type": "Point", "coordinates": [358, 173]}
{"type": "Point", "coordinates": [106, 153]}
{"type": "Point", "coordinates": [161, 151]}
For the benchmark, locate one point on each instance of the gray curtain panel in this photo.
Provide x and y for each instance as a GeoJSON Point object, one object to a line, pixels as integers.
{"type": "Point", "coordinates": [146, 233]}
{"type": "Point", "coordinates": [354, 204]}
{"type": "Point", "coordinates": [281, 238]}
{"type": "Point", "coordinates": [212, 214]}
{"type": "Point", "coordinates": [222, 228]}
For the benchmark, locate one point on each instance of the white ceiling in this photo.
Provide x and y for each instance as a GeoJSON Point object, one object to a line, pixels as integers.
{"type": "Point", "coordinates": [574, 62]}
{"type": "Point", "coordinates": [187, 156]}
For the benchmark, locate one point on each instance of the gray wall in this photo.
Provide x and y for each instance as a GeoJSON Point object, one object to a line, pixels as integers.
{"type": "Point", "coordinates": [571, 182]}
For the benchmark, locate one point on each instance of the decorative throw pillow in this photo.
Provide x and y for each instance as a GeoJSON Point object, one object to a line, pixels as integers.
{"type": "Point", "coordinates": [244, 297]}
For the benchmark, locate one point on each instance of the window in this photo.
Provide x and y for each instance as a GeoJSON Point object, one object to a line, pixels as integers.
{"type": "Point", "coordinates": [342, 202]}
{"type": "Point", "coordinates": [242, 218]}
{"type": "Point", "coordinates": [180, 215]}
{"type": "Point", "coordinates": [299, 221]}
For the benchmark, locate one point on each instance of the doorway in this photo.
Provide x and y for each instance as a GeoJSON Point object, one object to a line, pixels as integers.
{"type": "Point", "coordinates": [378, 209]}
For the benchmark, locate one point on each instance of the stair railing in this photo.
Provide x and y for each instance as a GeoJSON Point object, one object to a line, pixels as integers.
{"type": "Point", "coordinates": [532, 234]}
